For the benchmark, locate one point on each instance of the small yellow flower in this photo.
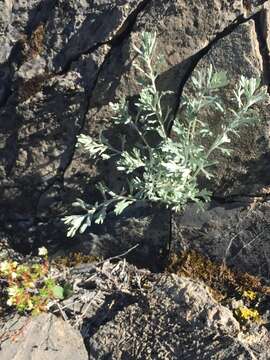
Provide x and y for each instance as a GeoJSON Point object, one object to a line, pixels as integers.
{"type": "Point", "coordinates": [30, 305]}
{"type": "Point", "coordinates": [10, 302]}
{"type": "Point", "coordinates": [13, 275]}
{"type": "Point", "coordinates": [248, 314]}
{"type": "Point", "coordinates": [14, 264]}
{"type": "Point", "coordinates": [42, 251]}
{"type": "Point", "coordinates": [4, 266]}
{"type": "Point", "coordinates": [249, 294]}
{"type": "Point", "coordinates": [13, 290]}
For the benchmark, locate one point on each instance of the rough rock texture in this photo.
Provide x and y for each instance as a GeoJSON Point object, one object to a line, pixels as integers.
{"type": "Point", "coordinates": [62, 62]}
{"type": "Point", "coordinates": [44, 337]}
{"type": "Point", "coordinates": [124, 312]}
{"type": "Point", "coordinates": [232, 233]}
{"type": "Point", "coordinates": [168, 317]}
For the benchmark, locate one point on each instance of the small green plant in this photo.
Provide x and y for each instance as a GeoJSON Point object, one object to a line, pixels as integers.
{"type": "Point", "coordinates": [166, 171]}
{"type": "Point", "coordinates": [30, 287]}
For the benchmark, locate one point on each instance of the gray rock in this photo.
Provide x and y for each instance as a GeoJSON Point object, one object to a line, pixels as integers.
{"type": "Point", "coordinates": [48, 110]}
{"type": "Point", "coordinates": [43, 337]}
{"type": "Point", "coordinates": [176, 319]}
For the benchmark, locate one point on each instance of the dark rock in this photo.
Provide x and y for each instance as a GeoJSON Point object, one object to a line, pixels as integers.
{"type": "Point", "coordinates": [231, 233]}
{"type": "Point", "coordinates": [143, 229]}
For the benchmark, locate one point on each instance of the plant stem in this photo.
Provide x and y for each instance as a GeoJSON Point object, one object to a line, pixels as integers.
{"type": "Point", "coordinates": [157, 109]}
{"type": "Point", "coordinates": [170, 230]}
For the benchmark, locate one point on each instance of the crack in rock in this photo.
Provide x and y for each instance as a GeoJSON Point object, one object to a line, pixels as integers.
{"type": "Point", "coordinates": [117, 40]}
{"type": "Point", "coordinates": [262, 23]}
{"type": "Point", "coordinates": [203, 52]}
{"type": "Point", "coordinates": [68, 56]}
{"type": "Point", "coordinates": [18, 54]}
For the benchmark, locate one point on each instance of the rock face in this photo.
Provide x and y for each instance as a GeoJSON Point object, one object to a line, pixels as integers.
{"type": "Point", "coordinates": [141, 229]}
{"type": "Point", "coordinates": [133, 314]}
{"type": "Point", "coordinates": [244, 172]}
{"type": "Point", "coordinates": [43, 337]}
{"type": "Point", "coordinates": [175, 323]}
{"type": "Point", "coordinates": [62, 62]}
{"type": "Point", "coordinates": [234, 234]}
{"type": "Point", "coordinates": [181, 321]}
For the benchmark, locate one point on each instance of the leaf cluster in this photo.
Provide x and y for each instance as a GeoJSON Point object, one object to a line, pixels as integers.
{"type": "Point", "coordinates": [167, 172]}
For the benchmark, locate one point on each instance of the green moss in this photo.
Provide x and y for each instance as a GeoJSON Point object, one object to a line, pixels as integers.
{"type": "Point", "coordinates": [224, 284]}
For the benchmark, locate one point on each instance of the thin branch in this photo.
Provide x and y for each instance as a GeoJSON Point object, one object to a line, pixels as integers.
{"type": "Point", "coordinates": [118, 256]}
{"type": "Point", "coordinates": [247, 244]}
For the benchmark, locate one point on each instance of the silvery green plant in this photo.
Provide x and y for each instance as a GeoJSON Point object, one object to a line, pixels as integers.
{"type": "Point", "coordinates": [167, 172]}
